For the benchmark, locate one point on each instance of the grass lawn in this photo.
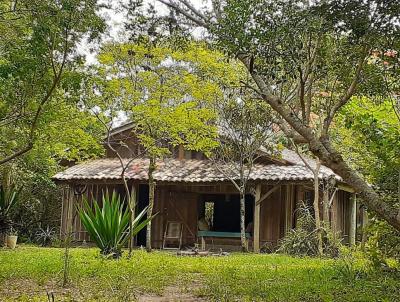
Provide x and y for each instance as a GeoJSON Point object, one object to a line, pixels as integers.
{"type": "Point", "coordinates": [28, 272]}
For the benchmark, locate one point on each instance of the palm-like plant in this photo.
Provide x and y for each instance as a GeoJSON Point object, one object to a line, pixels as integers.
{"type": "Point", "coordinates": [8, 198]}
{"type": "Point", "coordinates": [108, 226]}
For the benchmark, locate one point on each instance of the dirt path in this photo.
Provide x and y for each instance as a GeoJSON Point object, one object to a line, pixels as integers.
{"type": "Point", "coordinates": [175, 293]}
{"type": "Point", "coordinates": [17, 289]}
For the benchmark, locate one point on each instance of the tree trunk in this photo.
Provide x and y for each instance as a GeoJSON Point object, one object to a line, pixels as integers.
{"type": "Point", "coordinates": [316, 208]}
{"type": "Point", "coordinates": [132, 207]}
{"type": "Point", "coordinates": [131, 211]}
{"type": "Point", "coordinates": [242, 222]}
{"type": "Point", "coordinates": [325, 206]}
{"type": "Point", "coordinates": [323, 149]}
{"type": "Point", "coordinates": [152, 167]}
{"type": "Point", "coordinates": [369, 197]}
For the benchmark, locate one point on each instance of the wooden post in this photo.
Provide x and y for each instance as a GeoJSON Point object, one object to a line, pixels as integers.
{"type": "Point", "coordinates": [353, 220]}
{"type": "Point", "coordinates": [181, 153]}
{"type": "Point", "coordinates": [288, 209]}
{"type": "Point", "coordinates": [364, 227]}
{"type": "Point", "coordinates": [256, 226]}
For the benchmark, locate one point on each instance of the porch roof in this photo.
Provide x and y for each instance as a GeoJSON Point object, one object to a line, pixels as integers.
{"type": "Point", "coordinates": [186, 170]}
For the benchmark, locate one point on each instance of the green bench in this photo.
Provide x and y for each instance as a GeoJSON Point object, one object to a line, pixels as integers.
{"type": "Point", "coordinates": [213, 234]}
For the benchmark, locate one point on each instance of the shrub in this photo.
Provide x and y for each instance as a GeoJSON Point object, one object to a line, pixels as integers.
{"type": "Point", "coordinates": [303, 240]}
{"type": "Point", "coordinates": [383, 243]}
{"type": "Point", "coordinates": [8, 199]}
{"type": "Point", "coordinates": [109, 226]}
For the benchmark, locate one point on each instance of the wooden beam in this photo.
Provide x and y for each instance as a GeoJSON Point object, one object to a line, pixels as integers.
{"type": "Point", "coordinates": [266, 195]}
{"type": "Point", "coordinates": [256, 226]}
{"type": "Point", "coordinates": [353, 220]}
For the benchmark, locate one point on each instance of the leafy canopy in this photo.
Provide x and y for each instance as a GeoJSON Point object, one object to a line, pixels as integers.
{"type": "Point", "coordinates": [166, 92]}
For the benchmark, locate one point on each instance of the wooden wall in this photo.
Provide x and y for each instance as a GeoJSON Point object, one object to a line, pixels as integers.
{"type": "Point", "coordinates": [73, 196]}
{"type": "Point", "coordinates": [174, 205]}
{"type": "Point", "coordinates": [181, 203]}
{"type": "Point", "coordinates": [277, 214]}
{"type": "Point", "coordinates": [340, 214]}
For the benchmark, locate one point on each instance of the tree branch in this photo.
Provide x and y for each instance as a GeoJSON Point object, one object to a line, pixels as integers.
{"type": "Point", "coordinates": [349, 93]}
{"type": "Point", "coordinates": [193, 16]}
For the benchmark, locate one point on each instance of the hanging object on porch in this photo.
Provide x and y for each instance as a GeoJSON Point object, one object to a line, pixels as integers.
{"type": "Point", "coordinates": [173, 235]}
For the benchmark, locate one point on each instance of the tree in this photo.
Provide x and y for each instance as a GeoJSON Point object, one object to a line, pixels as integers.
{"type": "Point", "coordinates": [309, 58]}
{"type": "Point", "coordinates": [368, 135]}
{"type": "Point", "coordinates": [164, 92]}
{"type": "Point", "coordinates": [246, 132]}
{"type": "Point", "coordinates": [38, 65]}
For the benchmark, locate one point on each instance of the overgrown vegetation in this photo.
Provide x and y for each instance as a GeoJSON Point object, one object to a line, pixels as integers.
{"type": "Point", "coordinates": [8, 199]}
{"type": "Point", "coordinates": [303, 240]}
{"type": "Point", "coordinates": [383, 245]}
{"type": "Point", "coordinates": [28, 272]}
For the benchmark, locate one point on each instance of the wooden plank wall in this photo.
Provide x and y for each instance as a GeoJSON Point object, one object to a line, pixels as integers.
{"type": "Point", "coordinates": [340, 214]}
{"type": "Point", "coordinates": [72, 199]}
{"type": "Point", "coordinates": [277, 214]}
{"type": "Point", "coordinates": [174, 205]}
{"type": "Point", "coordinates": [177, 203]}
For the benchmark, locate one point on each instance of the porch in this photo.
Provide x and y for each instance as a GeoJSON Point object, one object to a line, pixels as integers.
{"type": "Point", "coordinates": [270, 211]}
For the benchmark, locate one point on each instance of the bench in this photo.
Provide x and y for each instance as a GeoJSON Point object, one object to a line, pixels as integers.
{"type": "Point", "coordinates": [213, 234]}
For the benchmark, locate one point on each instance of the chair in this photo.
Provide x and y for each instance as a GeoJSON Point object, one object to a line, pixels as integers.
{"type": "Point", "coordinates": [173, 233]}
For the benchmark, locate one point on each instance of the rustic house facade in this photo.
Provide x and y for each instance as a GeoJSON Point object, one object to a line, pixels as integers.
{"type": "Point", "coordinates": [190, 188]}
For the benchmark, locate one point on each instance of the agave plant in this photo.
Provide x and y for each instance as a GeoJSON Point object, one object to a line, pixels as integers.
{"type": "Point", "coordinates": [108, 226]}
{"type": "Point", "coordinates": [8, 198]}
{"type": "Point", "coordinates": [45, 236]}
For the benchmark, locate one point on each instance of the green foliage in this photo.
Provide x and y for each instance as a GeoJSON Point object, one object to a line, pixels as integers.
{"type": "Point", "coordinates": [368, 134]}
{"type": "Point", "coordinates": [108, 225]}
{"type": "Point", "coordinates": [39, 67]}
{"type": "Point", "coordinates": [303, 239]}
{"type": "Point", "coordinates": [277, 35]}
{"type": "Point", "coordinates": [40, 76]}
{"type": "Point", "coordinates": [383, 244]}
{"type": "Point", "coordinates": [166, 92]}
{"type": "Point", "coordinates": [238, 277]}
{"type": "Point", "coordinates": [245, 125]}
{"type": "Point", "coordinates": [8, 200]}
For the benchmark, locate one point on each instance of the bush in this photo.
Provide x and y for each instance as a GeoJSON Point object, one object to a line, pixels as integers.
{"type": "Point", "coordinates": [383, 243]}
{"type": "Point", "coordinates": [303, 240]}
{"type": "Point", "coordinates": [8, 199]}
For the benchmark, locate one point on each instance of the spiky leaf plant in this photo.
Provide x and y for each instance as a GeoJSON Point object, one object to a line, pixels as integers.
{"type": "Point", "coordinates": [108, 226]}
{"type": "Point", "coordinates": [8, 199]}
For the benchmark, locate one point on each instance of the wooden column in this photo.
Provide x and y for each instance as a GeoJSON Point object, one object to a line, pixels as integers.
{"type": "Point", "coordinates": [364, 227]}
{"type": "Point", "coordinates": [288, 209]}
{"type": "Point", "coordinates": [256, 226]}
{"type": "Point", "coordinates": [353, 220]}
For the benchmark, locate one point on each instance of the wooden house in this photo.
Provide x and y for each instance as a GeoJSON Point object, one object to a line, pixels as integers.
{"type": "Point", "coordinates": [189, 187]}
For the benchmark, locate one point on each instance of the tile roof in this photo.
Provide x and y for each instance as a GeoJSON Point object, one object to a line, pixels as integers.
{"type": "Point", "coordinates": [188, 170]}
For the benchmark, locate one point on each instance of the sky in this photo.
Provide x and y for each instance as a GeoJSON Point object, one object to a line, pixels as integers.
{"type": "Point", "coordinates": [115, 21]}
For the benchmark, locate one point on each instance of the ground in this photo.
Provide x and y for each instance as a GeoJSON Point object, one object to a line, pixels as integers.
{"type": "Point", "coordinates": [34, 274]}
